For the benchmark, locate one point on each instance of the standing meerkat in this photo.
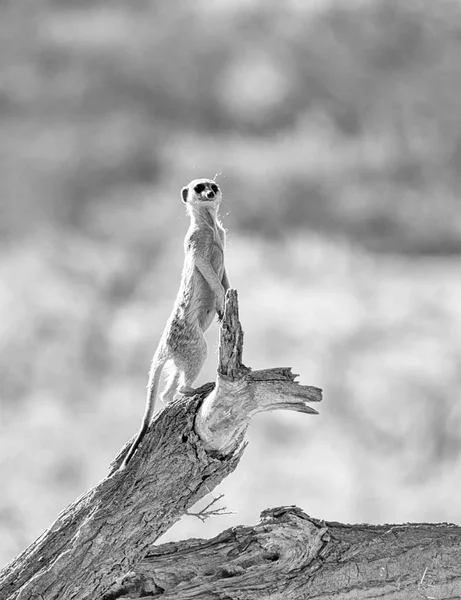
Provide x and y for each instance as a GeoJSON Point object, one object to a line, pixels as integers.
{"type": "Point", "coordinates": [200, 297]}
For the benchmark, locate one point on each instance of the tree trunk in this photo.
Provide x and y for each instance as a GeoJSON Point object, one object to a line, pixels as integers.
{"type": "Point", "coordinates": [102, 546]}
{"type": "Point", "coordinates": [291, 555]}
{"type": "Point", "coordinates": [191, 446]}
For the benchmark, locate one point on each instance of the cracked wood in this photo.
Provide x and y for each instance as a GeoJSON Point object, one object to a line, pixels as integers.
{"type": "Point", "coordinates": [190, 447]}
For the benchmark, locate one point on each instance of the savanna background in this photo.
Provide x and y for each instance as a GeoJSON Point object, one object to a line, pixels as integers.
{"type": "Point", "coordinates": [336, 130]}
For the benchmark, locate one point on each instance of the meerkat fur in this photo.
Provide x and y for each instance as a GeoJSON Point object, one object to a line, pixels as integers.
{"type": "Point", "coordinates": [204, 282]}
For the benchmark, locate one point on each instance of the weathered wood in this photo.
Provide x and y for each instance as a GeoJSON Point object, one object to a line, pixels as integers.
{"type": "Point", "coordinates": [102, 546]}
{"type": "Point", "coordinates": [291, 555]}
{"type": "Point", "coordinates": [186, 453]}
{"type": "Point", "coordinates": [99, 538]}
{"type": "Point", "coordinates": [241, 393]}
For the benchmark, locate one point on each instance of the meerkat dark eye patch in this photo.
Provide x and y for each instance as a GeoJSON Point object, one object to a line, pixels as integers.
{"type": "Point", "coordinates": [215, 188]}
{"type": "Point", "coordinates": [198, 189]}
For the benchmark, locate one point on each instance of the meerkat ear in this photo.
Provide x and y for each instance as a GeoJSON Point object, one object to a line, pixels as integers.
{"type": "Point", "coordinates": [184, 193]}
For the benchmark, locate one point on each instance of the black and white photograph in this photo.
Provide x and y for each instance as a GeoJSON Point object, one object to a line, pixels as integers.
{"type": "Point", "coordinates": [230, 299]}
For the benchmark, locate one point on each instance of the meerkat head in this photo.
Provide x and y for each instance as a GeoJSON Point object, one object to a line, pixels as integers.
{"type": "Point", "coordinates": [202, 192]}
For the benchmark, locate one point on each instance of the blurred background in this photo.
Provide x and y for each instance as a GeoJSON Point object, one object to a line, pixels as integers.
{"type": "Point", "coordinates": [335, 130]}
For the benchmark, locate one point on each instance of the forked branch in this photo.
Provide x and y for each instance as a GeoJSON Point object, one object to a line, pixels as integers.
{"type": "Point", "coordinates": [240, 393]}
{"type": "Point", "coordinates": [191, 446]}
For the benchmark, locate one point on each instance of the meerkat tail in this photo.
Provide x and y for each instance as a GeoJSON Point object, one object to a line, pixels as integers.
{"type": "Point", "coordinates": [152, 392]}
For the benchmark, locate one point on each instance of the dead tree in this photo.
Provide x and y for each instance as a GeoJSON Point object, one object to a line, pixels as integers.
{"type": "Point", "coordinates": [102, 545]}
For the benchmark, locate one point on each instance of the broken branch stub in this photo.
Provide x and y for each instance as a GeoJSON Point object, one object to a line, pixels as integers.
{"type": "Point", "coordinates": [240, 393]}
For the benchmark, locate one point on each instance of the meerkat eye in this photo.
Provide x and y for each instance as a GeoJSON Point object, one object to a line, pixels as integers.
{"type": "Point", "coordinates": [215, 188]}
{"type": "Point", "coordinates": [198, 189]}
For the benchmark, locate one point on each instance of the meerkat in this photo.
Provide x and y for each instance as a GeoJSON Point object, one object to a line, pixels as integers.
{"type": "Point", "coordinates": [204, 283]}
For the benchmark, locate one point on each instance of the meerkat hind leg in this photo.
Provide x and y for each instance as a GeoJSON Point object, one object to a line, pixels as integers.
{"type": "Point", "coordinates": [191, 364]}
{"type": "Point", "coordinates": [172, 385]}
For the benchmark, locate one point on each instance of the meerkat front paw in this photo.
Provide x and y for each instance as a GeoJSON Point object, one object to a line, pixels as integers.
{"type": "Point", "coordinates": [220, 306]}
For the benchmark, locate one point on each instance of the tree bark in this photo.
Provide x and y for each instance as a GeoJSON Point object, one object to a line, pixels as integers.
{"type": "Point", "coordinates": [191, 446]}
{"type": "Point", "coordinates": [291, 555]}
{"type": "Point", "coordinates": [102, 546]}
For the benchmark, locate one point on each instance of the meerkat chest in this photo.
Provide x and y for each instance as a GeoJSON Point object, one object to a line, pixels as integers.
{"type": "Point", "coordinates": [217, 259]}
